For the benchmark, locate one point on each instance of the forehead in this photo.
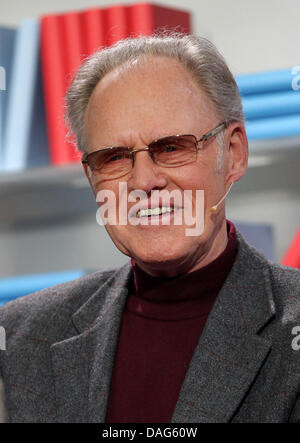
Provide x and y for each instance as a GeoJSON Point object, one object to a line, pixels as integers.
{"type": "Point", "coordinates": [148, 99]}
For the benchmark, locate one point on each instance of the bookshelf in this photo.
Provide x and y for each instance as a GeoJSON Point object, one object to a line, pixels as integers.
{"type": "Point", "coordinates": [44, 193]}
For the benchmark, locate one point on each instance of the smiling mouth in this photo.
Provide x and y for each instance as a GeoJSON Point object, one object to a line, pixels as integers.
{"type": "Point", "coordinates": [154, 211]}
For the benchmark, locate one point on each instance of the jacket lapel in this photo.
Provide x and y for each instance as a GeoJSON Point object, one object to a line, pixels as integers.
{"type": "Point", "coordinates": [230, 352]}
{"type": "Point", "coordinates": [83, 364]}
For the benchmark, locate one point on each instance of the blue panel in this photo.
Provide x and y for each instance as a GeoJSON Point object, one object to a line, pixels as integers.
{"type": "Point", "coordinates": [7, 38]}
{"type": "Point", "coordinates": [13, 287]}
{"type": "Point", "coordinates": [261, 236]}
{"type": "Point", "coordinates": [275, 127]}
{"type": "Point", "coordinates": [21, 98]}
{"type": "Point", "coordinates": [271, 105]}
{"type": "Point", "coordinates": [264, 82]}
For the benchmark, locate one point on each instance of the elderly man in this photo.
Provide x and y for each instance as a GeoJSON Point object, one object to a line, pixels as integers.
{"type": "Point", "coordinates": [196, 327]}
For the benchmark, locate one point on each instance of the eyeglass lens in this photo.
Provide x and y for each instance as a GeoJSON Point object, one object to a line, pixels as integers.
{"type": "Point", "coordinates": [169, 151]}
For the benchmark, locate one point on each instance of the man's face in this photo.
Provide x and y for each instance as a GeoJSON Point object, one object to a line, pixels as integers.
{"type": "Point", "coordinates": [133, 107]}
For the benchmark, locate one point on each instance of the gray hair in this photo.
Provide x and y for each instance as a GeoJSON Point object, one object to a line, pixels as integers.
{"type": "Point", "coordinates": [197, 54]}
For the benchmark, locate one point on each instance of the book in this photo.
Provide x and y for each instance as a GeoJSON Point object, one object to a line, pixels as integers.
{"type": "Point", "coordinates": [273, 127]}
{"type": "Point", "coordinates": [93, 24]}
{"type": "Point", "coordinates": [275, 104]}
{"type": "Point", "coordinates": [267, 81]}
{"type": "Point", "coordinates": [54, 85]}
{"type": "Point", "coordinates": [7, 39]}
{"type": "Point", "coordinates": [72, 48]}
{"type": "Point", "coordinates": [116, 23]}
{"type": "Point", "coordinates": [25, 107]}
{"type": "Point", "coordinates": [146, 18]}
{"type": "Point", "coordinates": [67, 39]}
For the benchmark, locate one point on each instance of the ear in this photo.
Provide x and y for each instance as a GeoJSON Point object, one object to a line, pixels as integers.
{"type": "Point", "coordinates": [88, 174]}
{"type": "Point", "coordinates": [237, 143]}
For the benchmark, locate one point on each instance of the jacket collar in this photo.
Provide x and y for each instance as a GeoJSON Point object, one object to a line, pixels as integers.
{"type": "Point", "coordinates": [226, 360]}
{"type": "Point", "coordinates": [230, 352]}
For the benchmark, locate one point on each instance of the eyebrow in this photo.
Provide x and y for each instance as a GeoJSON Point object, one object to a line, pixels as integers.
{"type": "Point", "coordinates": [124, 145]}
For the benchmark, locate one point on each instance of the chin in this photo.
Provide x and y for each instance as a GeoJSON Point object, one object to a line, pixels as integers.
{"type": "Point", "coordinates": [170, 248]}
{"type": "Point", "coordinates": [162, 254]}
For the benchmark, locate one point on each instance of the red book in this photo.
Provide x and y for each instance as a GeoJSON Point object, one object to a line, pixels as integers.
{"type": "Point", "coordinates": [146, 18]}
{"type": "Point", "coordinates": [93, 30]}
{"type": "Point", "coordinates": [72, 34]}
{"type": "Point", "coordinates": [60, 51]}
{"type": "Point", "coordinates": [72, 46]}
{"type": "Point", "coordinates": [292, 256]}
{"type": "Point", "coordinates": [53, 71]}
{"type": "Point", "coordinates": [66, 39]}
{"type": "Point", "coordinates": [116, 24]}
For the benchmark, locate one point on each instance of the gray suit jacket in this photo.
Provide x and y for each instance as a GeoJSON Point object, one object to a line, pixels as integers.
{"type": "Point", "coordinates": [61, 343]}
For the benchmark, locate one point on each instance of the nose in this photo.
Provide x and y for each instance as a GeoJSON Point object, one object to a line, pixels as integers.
{"type": "Point", "coordinates": [145, 174]}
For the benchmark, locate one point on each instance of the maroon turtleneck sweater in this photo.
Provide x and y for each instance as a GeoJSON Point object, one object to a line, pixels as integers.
{"type": "Point", "coordinates": [161, 325]}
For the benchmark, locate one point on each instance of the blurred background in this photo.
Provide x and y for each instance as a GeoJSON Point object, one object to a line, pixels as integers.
{"type": "Point", "coordinates": [48, 228]}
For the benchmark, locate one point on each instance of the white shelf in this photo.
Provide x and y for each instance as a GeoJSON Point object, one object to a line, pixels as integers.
{"type": "Point", "coordinates": [278, 145]}
{"type": "Point", "coordinates": [266, 152]}
{"type": "Point", "coordinates": [69, 175]}
{"type": "Point", "coordinates": [45, 193]}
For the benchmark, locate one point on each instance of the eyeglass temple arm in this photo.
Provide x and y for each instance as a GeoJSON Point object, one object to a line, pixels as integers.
{"type": "Point", "coordinates": [213, 132]}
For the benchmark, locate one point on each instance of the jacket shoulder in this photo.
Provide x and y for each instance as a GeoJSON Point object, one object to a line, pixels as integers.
{"type": "Point", "coordinates": [282, 282]}
{"type": "Point", "coordinates": [33, 311]}
{"type": "Point", "coordinates": [285, 281]}
{"type": "Point", "coordinates": [286, 276]}
{"type": "Point", "coordinates": [286, 290]}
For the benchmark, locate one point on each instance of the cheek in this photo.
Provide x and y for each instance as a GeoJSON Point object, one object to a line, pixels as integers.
{"type": "Point", "coordinates": [194, 177]}
{"type": "Point", "coordinates": [203, 178]}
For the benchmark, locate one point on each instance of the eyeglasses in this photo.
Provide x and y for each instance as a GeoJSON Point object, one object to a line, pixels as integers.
{"type": "Point", "coordinates": [172, 151]}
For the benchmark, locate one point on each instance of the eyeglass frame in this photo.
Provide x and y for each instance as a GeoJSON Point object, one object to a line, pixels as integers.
{"type": "Point", "coordinates": [205, 137]}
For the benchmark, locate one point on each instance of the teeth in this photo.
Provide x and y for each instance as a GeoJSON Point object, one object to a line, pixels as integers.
{"type": "Point", "coordinates": [154, 211]}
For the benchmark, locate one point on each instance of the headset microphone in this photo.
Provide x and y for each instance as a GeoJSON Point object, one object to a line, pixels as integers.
{"type": "Point", "coordinates": [214, 208]}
